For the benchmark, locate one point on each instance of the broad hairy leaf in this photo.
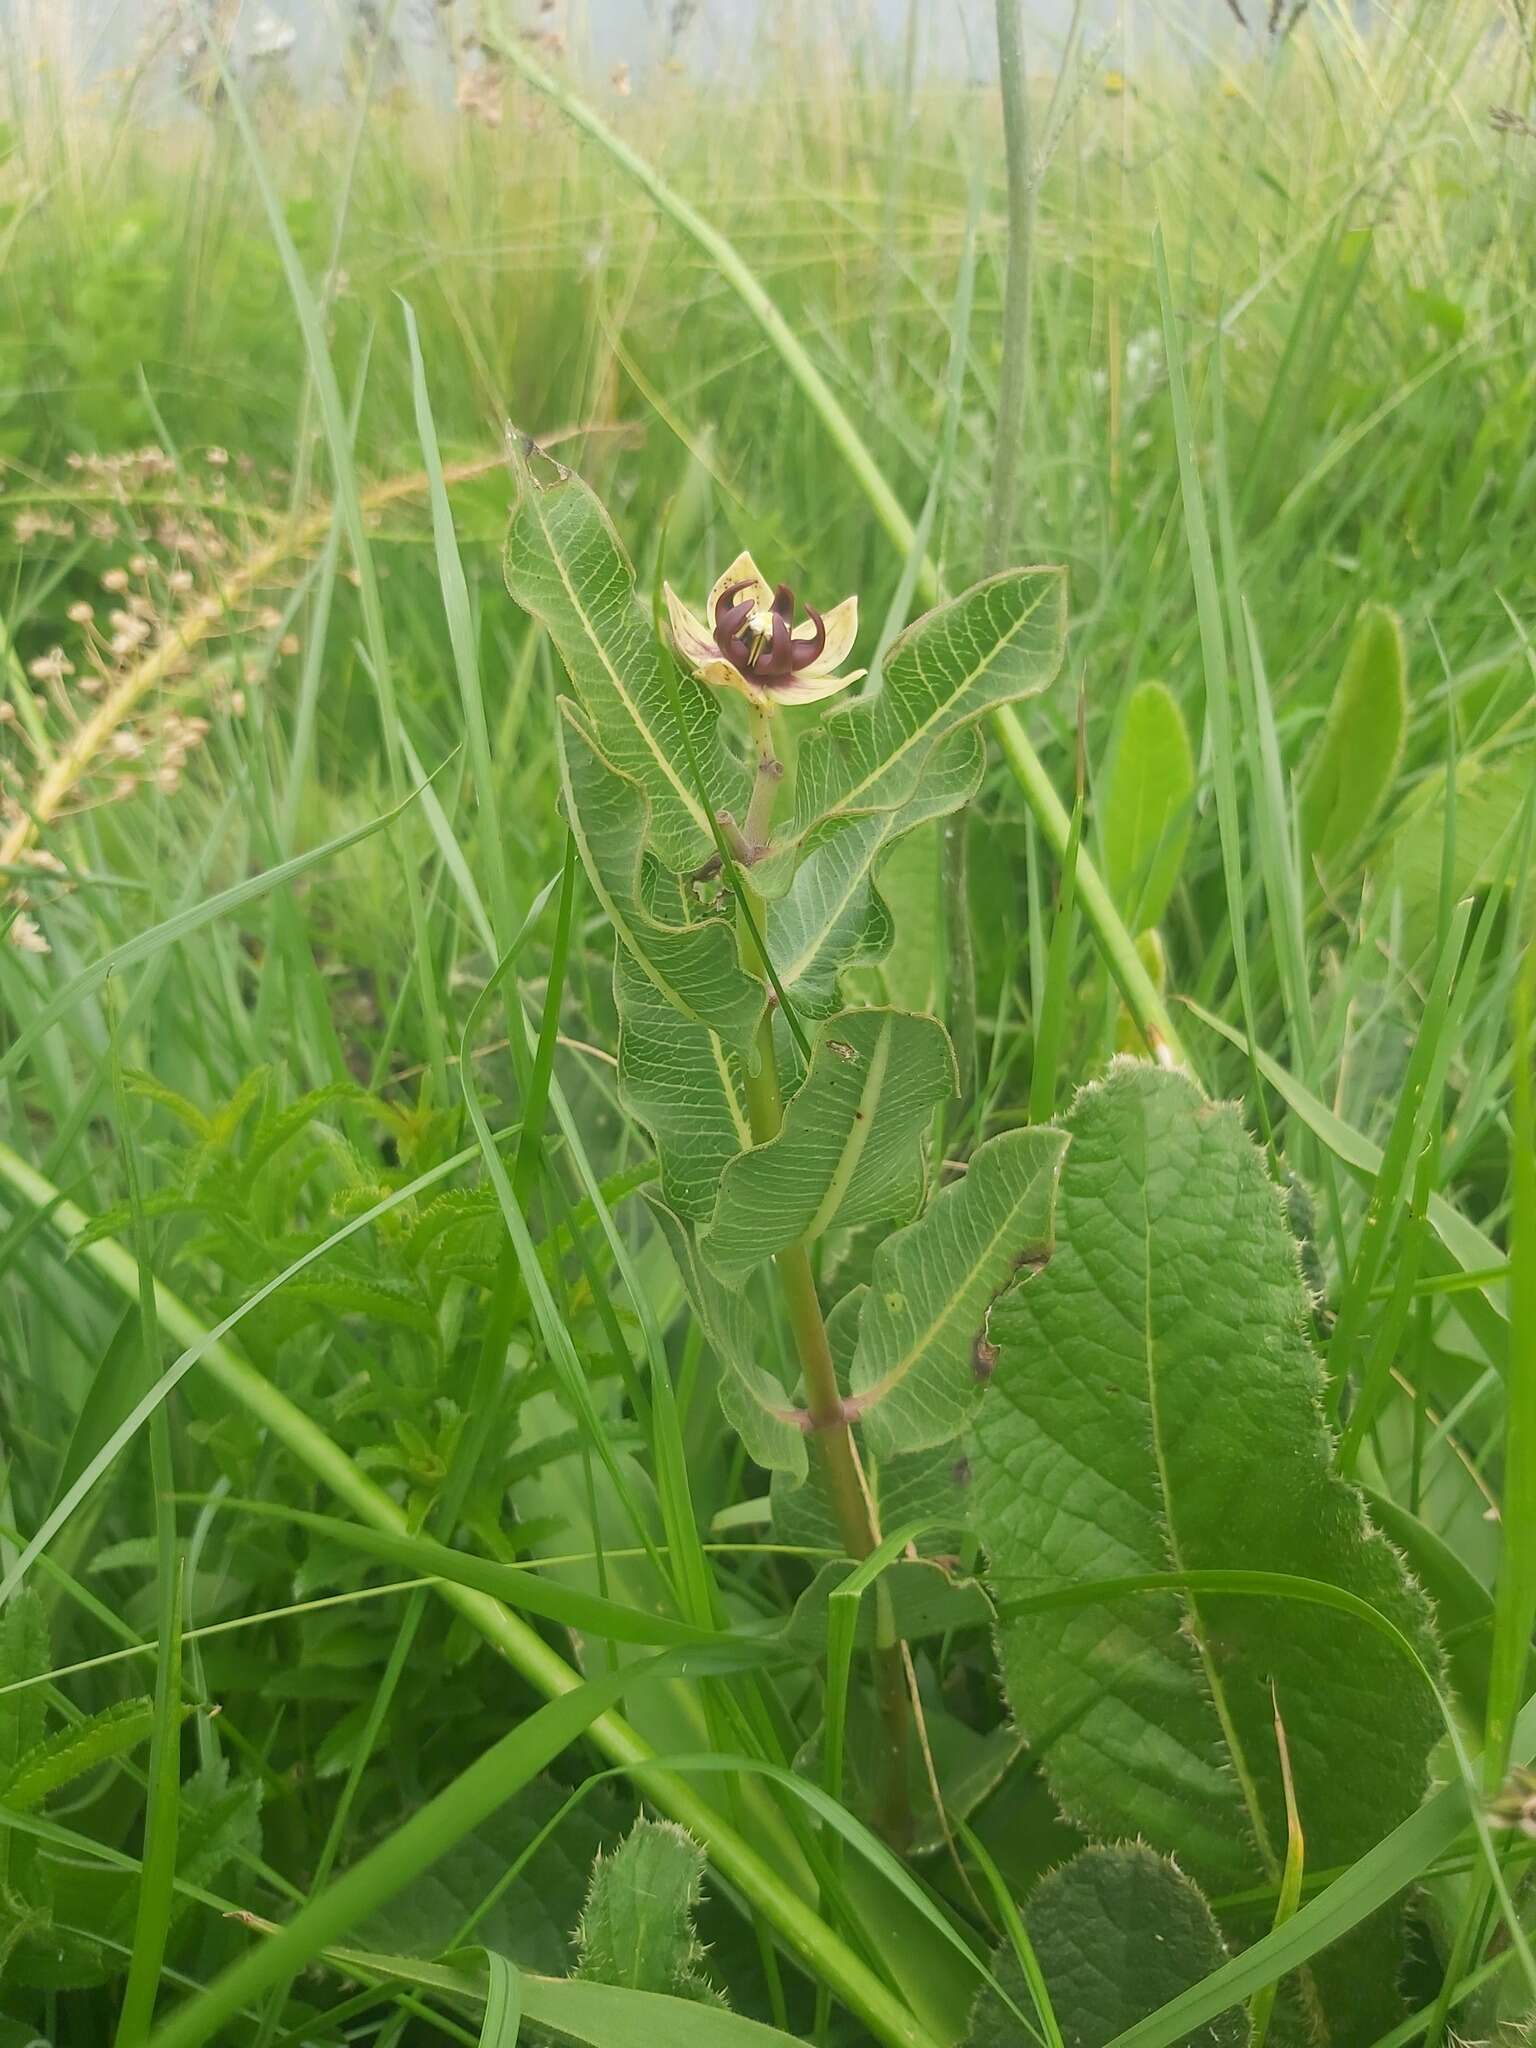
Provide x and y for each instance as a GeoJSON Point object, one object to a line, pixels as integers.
{"type": "Point", "coordinates": [850, 1150]}
{"type": "Point", "coordinates": [754, 1402]}
{"type": "Point", "coordinates": [1116, 1932]}
{"type": "Point", "coordinates": [693, 966]}
{"type": "Point", "coordinates": [637, 1925]}
{"type": "Point", "coordinates": [1145, 806]}
{"type": "Point", "coordinates": [567, 568]}
{"type": "Point", "coordinates": [1349, 774]}
{"type": "Point", "coordinates": [678, 1079]}
{"type": "Point", "coordinates": [1156, 1405]}
{"type": "Point", "coordinates": [998, 642]}
{"type": "Point", "coordinates": [923, 1356]}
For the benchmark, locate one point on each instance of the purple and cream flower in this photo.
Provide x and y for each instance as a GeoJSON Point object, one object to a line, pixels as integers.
{"type": "Point", "coordinates": [748, 640]}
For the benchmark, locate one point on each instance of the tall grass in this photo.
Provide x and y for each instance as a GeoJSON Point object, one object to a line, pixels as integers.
{"type": "Point", "coordinates": [305, 1003]}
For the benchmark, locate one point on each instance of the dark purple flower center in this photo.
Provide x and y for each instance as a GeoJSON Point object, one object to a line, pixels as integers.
{"type": "Point", "coordinates": [771, 655]}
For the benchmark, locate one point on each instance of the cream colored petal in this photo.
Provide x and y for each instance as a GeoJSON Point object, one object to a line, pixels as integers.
{"type": "Point", "coordinates": [809, 685]}
{"type": "Point", "coordinates": [842, 624]}
{"type": "Point", "coordinates": [694, 642]}
{"type": "Point", "coordinates": [723, 676]}
{"type": "Point", "coordinates": [742, 570]}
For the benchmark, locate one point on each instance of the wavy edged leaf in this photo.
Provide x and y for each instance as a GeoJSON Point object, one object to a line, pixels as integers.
{"type": "Point", "coordinates": [922, 1358]}
{"type": "Point", "coordinates": [1116, 1932]}
{"type": "Point", "coordinates": [1155, 1404]}
{"type": "Point", "coordinates": [850, 1148]}
{"type": "Point", "coordinates": [693, 966]}
{"type": "Point", "coordinates": [637, 1926]}
{"type": "Point", "coordinates": [1146, 805]}
{"type": "Point", "coordinates": [997, 643]}
{"type": "Point", "coordinates": [567, 568]}
{"type": "Point", "coordinates": [752, 1399]}
{"type": "Point", "coordinates": [678, 1080]}
{"type": "Point", "coordinates": [832, 916]}
{"type": "Point", "coordinates": [1349, 774]}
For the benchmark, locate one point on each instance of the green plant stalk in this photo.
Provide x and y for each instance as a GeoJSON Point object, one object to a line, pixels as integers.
{"type": "Point", "coordinates": [827, 1417]}
{"type": "Point", "coordinates": [822, 1952]}
{"type": "Point", "coordinates": [1110, 934]}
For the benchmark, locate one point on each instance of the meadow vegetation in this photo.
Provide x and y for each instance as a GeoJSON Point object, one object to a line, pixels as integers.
{"type": "Point", "coordinates": [857, 1374]}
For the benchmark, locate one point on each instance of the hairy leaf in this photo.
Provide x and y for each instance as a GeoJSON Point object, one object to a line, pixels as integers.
{"type": "Point", "coordinates": [850, 1149]}
{"type": "Point", "coordinates": [694, 966]}
{"type": "Point", "coordinates": [923, 1355]}
{"type": "Point", "coordinates": [1146, 805]}
{"type": "Point", "coordinates": [1117, 1932]}
{"type": "Point", "coordinates": [1155, 1406]}
{"type": "Point", "coordinates": [636, 1928]}
{"type": "Point", "coordinates": [567, 569]}
{"type": "Point", "coordinates": [1350, 772]}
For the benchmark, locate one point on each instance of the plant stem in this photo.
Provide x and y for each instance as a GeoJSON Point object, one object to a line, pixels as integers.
{"type": "Point", "coordinates": [829, 1429]}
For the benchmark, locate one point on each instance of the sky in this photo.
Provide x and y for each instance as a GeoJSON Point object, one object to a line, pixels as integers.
{"type": "Point", "coordinates": [955, 37]}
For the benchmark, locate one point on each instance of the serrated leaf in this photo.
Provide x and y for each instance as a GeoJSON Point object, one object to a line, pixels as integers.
{"type": "Point", "coordinates": [24, 1654]}
{"type": "Point", "coordinates": [1350, 771]}
{"type": "Point", "coordinates": [637, 1926]}
{"type": "Point", "coordinates": [678, 1079]}
{"type": "Point", "coordinates": [69, 1754]}
{"type": "Point", "coordinates": [1146, 805]}
{"type": "Point", "coordinates": [996, 643]}
{"type": "Point", "coordinates": [693, 966]}
{"type": "Point", "coordinates": [832, 916]}
{"type": "Point", "coordinates": [922, 1357]}
{"type": "Point", "coordinates": [1117, 1932]}
{"type": "Point", "coordinates": [753, 1401]}
{"type": "Point", "coordinates": [850, 1148]}
{"type": "Point", "coordinates": [567, 568]}
{"type": "Point", "coordinates": [1155, 1406]}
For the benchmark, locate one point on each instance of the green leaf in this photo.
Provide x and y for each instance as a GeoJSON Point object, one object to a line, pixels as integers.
{"type": "Point", "coordinates": [1156, 1404]}
{"type": "Point", "coordinates": [756, 1404]}
{"type": "Point", "coordinates": [998, 642]}
{"type": "Point", "coordinates": [922, 1357]}
{"type": "Point", "coordinates": [1145, 805]}
{"type": "Point", "coordinates": [832, 916]}
{"type": "Point", "coordinates": [850, 1150]}
{"type": "Point", "coordinates": [637, 1926]}
{"type": "Point", "coordinates": [678, 1079]}
{"type": "Point", "coordinates": [70, 1753]}
{"type": "Point", "coordinates": [535, 1896]}
{"type": "Point", "coordinates": [1350, 772]}
{"type": "Point", "coordinates": [567, 569]}
{"type": "Point", "coordinates": [24, 1654]}
{"type": "Point", "coordinates": [693, 966]}
{"type": "Point", "coordinates": [918, 1598]}
{"type": "Point", "coordinates": [1117, 1932]}
{"type": "Point", "coordinates": [1491, 792]}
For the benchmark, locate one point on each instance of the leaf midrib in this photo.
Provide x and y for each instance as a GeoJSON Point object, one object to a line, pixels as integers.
{"type": "Point", "coordinates": [858, 1135]}
{"type": "Point", "coordinates": [870, 1397]}
{"type": "Point", "coordinates": [851, 795]}
{"type": "Point", "coordinates": [1217, 1691]}
{"type": "Point", "coordinates": [690, 802]}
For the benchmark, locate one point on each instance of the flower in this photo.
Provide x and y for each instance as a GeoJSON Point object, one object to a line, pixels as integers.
{"type": "Point", "coordinates": [752, 644]}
